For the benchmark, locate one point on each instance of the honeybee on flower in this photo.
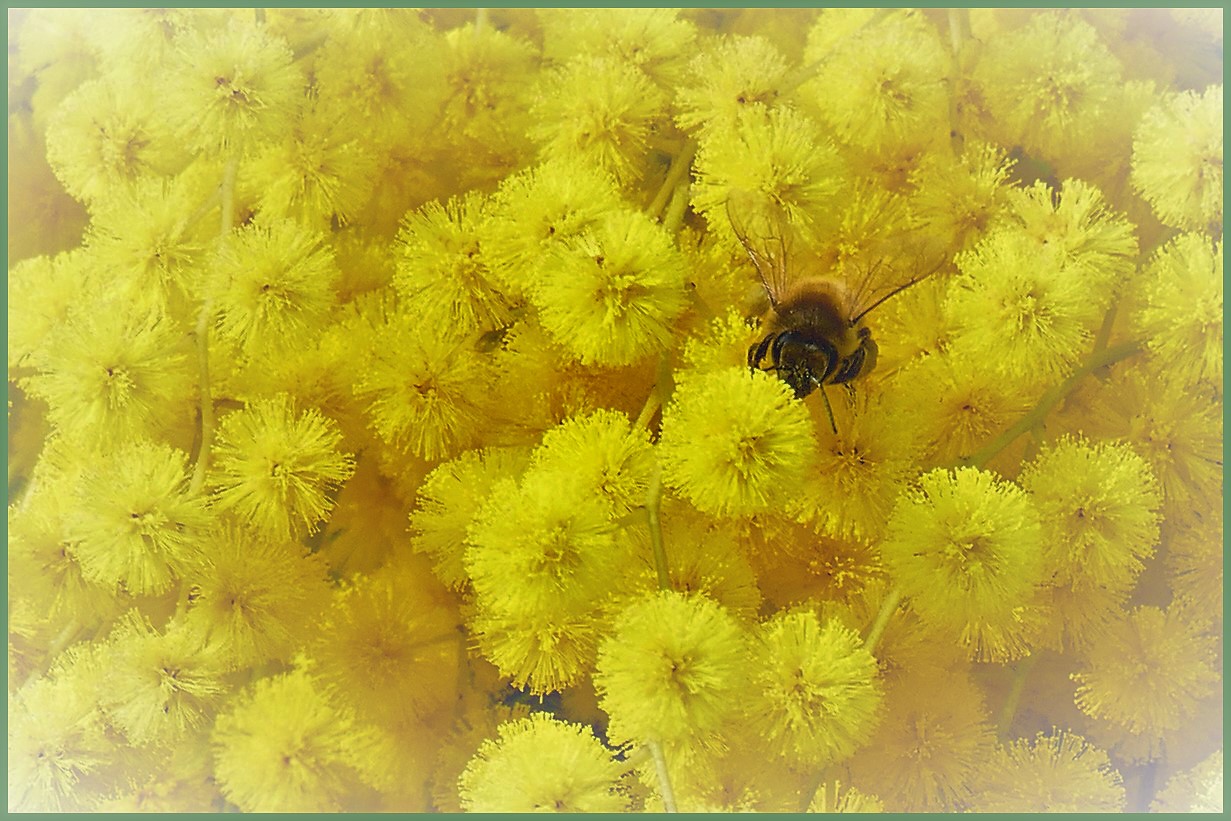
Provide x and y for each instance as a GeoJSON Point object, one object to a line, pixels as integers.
{"type": "Point", "coordinates": [816, 328]}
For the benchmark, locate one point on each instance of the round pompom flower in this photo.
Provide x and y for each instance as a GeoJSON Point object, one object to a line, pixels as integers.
{"type": "Point", "coordinates": [539, 764]}
{"type": "Point", "coordinates": [1149, 670]}
{"type": "Point", "coordinates": [273, 286]}
{"type": "Point", "coordinates": [235, 86]}
{"type": "Point", "coordinates": [1099, 509]}
{"type": "Point", "coordinates": [733, 441]}
{"type": "Point", "coordinates": [883, 89]}
{"type": "Point", "coordinates": [964, 548]}
{"type": "Point", "coordinates": [601, 110]}
{"type": "Point", "coordinates": [1018, 307]}
{"type": "Point", "coordinates": [1182, 314]}
{"type": "Point", "coordinates": [276, 467]}
{"type": "Point", "coordinates": [611, 295]}
{"type": "Point", "coordinates": [604, 454]}
{"type": "Point", "coordinates": [728, 75]}
{"type": "Point", "coordinates": [1177, 159]}
{"type": "Point", "coordinates": [134, 524]}
{"type": "Point", "coordinates": [284, 746]}
{"type": "Point", "coordinates": [1060, 772]}
{"type": "Point", "coordinates": [770, 167]}
{"type": "Point", "coordinates": [673, 670]}
{"type": "Point", "coordinates": [817, 689]}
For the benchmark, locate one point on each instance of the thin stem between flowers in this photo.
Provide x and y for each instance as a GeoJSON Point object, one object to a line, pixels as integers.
{"type": "Point", "coordinates": [877, 629]}
{"type": "Point", "coordinates": [1020, 672]}
{"type": "Point", "coordinates": [681, 165]}
{"type": "Point", "coordinates": [664, 778]}
{"type": "Point", "coordinates": [202, 333]}
{"type": "Point", "coordinates": [1050, 399]}
{"type": "Point", "coordinates": [653, 502]}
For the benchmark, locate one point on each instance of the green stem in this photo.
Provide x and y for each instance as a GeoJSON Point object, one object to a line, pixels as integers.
{"type": "Point", "coordinates": [653, 502]}
{"type": "Point", "coordinates": [1100, 359]}
{"type": "Point", "coordinates": [1020, 672]}
{"type": "Point", "coordinates": [677, 173]}
{"type": "Point", "coordinates": [202, 333]}
{"type": "Point", "coordinates": [877, 629]}
{"type": "Point", "coordinates": [652, 403]}
{"type": "Point", "coordinates": [664, 778]}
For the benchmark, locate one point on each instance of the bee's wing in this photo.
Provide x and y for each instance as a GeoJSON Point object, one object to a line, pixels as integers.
{"type": "Point", "coordinates": [871, 284]}
{"type": "Point", "coordinates": [768, 246]}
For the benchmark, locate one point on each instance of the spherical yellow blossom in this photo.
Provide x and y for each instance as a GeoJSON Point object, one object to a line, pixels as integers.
{"type": "Point", "coordinates": [448, 501]}
{"type": "Point", "coordinates": [729, 75]}
{"type": "Point", "coordinates": [285, 746]}
{"type": "Point", "coordinates": [856, 474]}
{"type": "Point", "coordinates": [549, 534]}
{"type": "Point", "coordinates": [1059, 772]}
{"type": "Point", "coordinates": [928, 749]}
{"type": "Point", "coordinates": [1149, 670]}
{"type": "Point", "coordinates": [600, 111]}
{"type": "Point", "coordinates": [424, 387]}
{"type": "Point", "coordinates": [487, 89]}
{"type": "Point", "coordinates": [319, 170]}
{"type": "Point", "coordinates": [114, 372]}
{"type": "Point", "coordinates": [442, 274]}
{"type": "Point", "coordinates": [1177, 159]}
{"type": "Point", "coordinates": [1197, 790]}
{"type": "Point", "coordinates": [134, 524]}
{"type": "Point", "coordinates": [537, 210]}
{"type": "Point", "coordinates": [1092, 242]}
{"type": "Point", "coordinates": [672, 671]}
{"type": "Point", "coordinates": [708, 559]}
{"type": "Point", "coordinates": [231, 87]}
{"type": "Point", "coordinates": [610, 296]}
{"type": "Point", "coordinates": [146, 229]}
{"type": "Point", "coordinates": [883, 89]}
{"type": "Point", "coordinates": [833, 796]}
{"type": "Point", "coordinates": [1176, 427]}
{"type": "Point", "coordinates": [654, 39]}
{"type": "Point", "coordinates": [59, 747]}
{"type": "Point", "coordinates": [732, 443]}
{"type": "Point", "coordinates": [97, 144]}
{"type": "Point", "coordinates": [816, 695]}
{"type": "Point", "coordinates": [965, 550]}
{"type": "Point", "coordinates": [603, 454]}
{"type": "Point", "coordinates": [1047, 83]}
{"type": "Point", "coordinates": [539, 764]}
{"type": "Point", "coordinates": [957, 198]}
{"type": "Point", "coordinates": [388, 644]}
{"type": "Point", "coordinates": [273, 285]}
{"type": "Point", "coordinates": [956, 405]}
{"type": "Point", "coordinates": [1098, 504]}
{"type": "Point", "coordinates": [1181, 307]}
{"type": "Point", "coordinates": [768, 168]}
{"type": "Point", "coordinates": [162, 685]}
{"type": "Point", "coordinates": [41, 292]}
{"type": "Point", "coordinates": [275, 466]}
{"type": "Point", "coordinates": [255, 599]}
{"type": "Point", "coordinates": [1018, 308]}
{"type": "Point", "coordinates": [1193, 554]}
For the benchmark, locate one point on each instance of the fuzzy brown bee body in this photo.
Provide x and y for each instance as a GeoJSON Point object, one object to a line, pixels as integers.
{"type": "Point", "coordinates": [815, 329]}
{"type": "Point", "coordinates": [811, 342]}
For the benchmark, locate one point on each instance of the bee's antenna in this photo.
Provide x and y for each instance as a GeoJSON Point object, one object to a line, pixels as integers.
{"type": "Point", "coordinates": [828, 408]}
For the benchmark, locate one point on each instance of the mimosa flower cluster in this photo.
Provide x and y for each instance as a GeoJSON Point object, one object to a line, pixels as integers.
{"type": "Point", "coordinates": [382, 435]}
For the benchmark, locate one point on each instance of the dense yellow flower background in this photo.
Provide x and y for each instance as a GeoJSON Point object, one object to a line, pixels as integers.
{"type": "Point", "coordinates": [382, 434]}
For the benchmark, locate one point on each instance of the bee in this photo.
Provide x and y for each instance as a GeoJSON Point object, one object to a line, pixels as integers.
{"type": "Point", "coordinates": [816, 329]}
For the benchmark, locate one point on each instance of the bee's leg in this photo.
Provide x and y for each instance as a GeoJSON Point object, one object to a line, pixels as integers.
{"type": "Point", "coordinates": [828, 409]}
{"type": "Point", "coordinates": [757, 352]}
